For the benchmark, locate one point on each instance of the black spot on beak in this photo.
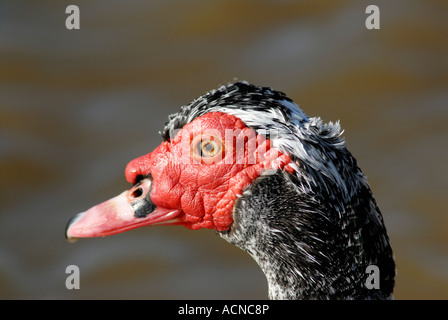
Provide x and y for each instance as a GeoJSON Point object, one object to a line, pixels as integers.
{"type": "Point", "coordinates": [142, 205]}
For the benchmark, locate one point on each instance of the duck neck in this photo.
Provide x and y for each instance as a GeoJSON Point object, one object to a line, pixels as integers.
{"type": "Point", "coordinates": [303, 252]}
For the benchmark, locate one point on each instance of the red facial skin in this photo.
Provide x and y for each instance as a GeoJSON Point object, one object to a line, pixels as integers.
{"type": "Point", "coordinates": [190, 188]}
{"type": "Point", "coordinates": [206, 192]}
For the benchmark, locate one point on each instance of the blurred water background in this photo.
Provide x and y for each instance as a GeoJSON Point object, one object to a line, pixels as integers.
{"type": "Point", "coordinates": [77, 105]}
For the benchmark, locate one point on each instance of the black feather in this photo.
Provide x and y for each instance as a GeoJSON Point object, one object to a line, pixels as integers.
{"type": "Point", "coordinates": [313, 232]}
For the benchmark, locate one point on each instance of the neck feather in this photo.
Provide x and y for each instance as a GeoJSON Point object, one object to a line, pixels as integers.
{"type": "Point", "coordinates": [308, 249]}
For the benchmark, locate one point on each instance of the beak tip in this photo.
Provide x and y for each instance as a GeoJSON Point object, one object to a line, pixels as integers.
{"type": "Point", "coordinates": [70, 240]}
{"type": "Point", "coordinates": [71, 222]}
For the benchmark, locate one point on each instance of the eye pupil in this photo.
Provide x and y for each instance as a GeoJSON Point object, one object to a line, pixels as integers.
{"type": "Point", "coordinates": [208, 148]}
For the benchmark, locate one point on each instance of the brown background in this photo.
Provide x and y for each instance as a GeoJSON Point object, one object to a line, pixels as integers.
{"type": "Point", "coordinates": [76, 106]}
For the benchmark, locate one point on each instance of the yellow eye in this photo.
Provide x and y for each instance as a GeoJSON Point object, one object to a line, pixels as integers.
{"type": "Point", "coordinates": [208, 148]}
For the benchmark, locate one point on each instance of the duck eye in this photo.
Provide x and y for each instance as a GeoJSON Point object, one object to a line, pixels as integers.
{"type": "Point", "coordinates": [208, 148]}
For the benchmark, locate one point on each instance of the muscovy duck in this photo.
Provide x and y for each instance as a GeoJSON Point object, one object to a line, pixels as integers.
{"type": "Point", "coordinates": [248, 162]}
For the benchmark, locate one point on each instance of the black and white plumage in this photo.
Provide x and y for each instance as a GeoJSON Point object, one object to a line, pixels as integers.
{"type": "Point", "coordinates": [304, 211]}
{"type": "Point", "coordinates": [314, 232]}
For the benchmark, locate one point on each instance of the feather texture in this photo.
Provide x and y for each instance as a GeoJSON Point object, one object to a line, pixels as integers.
{"type": "Point", "coordinates": [313, 231]}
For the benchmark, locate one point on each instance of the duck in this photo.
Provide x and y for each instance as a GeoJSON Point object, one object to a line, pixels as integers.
{"type": "Point", "coordinates": [247, 162]}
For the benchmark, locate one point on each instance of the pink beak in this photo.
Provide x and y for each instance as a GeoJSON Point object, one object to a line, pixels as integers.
{"type": "Point", "coordinates": [131, 209]}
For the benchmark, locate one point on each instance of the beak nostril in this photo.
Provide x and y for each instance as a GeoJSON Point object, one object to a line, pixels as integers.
{"type": "Point", "coordinates": [137, 193]}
